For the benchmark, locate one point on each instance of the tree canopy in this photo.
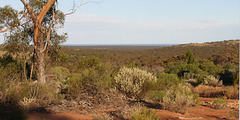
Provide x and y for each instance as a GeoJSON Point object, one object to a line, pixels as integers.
{"type": "Point", "coordinates": [36, 25]}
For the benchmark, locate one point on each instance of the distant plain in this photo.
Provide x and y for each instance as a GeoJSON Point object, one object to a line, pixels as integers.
{"type": "Point", "coordinates": [120, 46]}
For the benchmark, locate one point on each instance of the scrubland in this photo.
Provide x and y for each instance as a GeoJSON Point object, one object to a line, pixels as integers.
{"type": "Point", "coordinates": [125, 84]}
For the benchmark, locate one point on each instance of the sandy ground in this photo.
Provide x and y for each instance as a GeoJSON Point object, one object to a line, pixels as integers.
{"type": "Point", "coordinates": [203, 111]}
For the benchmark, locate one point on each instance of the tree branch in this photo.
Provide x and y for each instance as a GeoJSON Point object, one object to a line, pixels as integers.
{"type": "Point", "coordinates": [75, 9]}
{"type": "Point", "coordinates": [12, 25]}
{"type": "Point", "coordinates": [45, 10]}
{"type": "Point", "coordinates": [30, 10]}
{"type": "Point", "coordinates": [6, 29]}
{"type": "Point", "coordinates": [49, 31]}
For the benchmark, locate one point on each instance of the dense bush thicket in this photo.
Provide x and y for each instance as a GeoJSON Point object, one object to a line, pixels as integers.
{"type": "Point", "coordinates": [91, 75]}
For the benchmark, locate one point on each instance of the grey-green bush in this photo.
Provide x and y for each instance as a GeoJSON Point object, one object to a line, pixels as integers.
{"type": "Point", "coordinates": [134, 82]}
{"type": "Point", "coordinates": [178, 98]}
{"type": "Point", "coordinates": [212, 81]}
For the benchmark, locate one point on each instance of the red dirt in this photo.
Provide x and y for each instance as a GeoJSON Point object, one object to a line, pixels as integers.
{"type": "Point", "coordinates": [197, 113]}
{"type": "Point", "coordinates": [60, 116]}
{"type": "Point", "coordinates": [203, 111]}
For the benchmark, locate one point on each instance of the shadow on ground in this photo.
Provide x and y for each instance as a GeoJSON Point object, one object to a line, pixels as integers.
{"type": "Point", "coordinates": [8, 112]}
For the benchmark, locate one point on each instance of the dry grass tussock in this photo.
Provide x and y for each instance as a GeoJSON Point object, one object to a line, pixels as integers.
{"type": "Point", "coordinates": [232, 92]}
{"type": "Point", "coordinates": [209, 91]}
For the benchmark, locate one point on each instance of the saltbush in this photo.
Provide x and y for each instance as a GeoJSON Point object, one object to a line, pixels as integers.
{"type": "Point", "coordinates": [134, 82]}
{"type": "Point", "coordinates": [212, 81]}
{"type": "Point", "coordinates": [178, 99]}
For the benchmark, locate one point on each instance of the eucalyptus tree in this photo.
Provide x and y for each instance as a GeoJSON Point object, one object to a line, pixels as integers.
{"type": "Point", "coordinates": [36, 24]}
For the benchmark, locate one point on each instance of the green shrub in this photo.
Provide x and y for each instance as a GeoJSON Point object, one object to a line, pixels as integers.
{"type": "Point", "coordinates": [44, 94]}
{"type": "Point", "coordinates": [234, 113]}
{"type": "Point", "coordinates": [98, 79]}
{"type": "Point", "coordinates": [178, 98]}
{"type": "Point", "coordinates": [145, 114]}
{"type": "Point", "coordinates": [90, 78]}
{"type": "Point", "coordinates": [157, 95]}
{"type": "Point", "coordinates": [75, 84]}
{"type": "Point", "coordinates": [194, 68]}
{"type": "Point", "coordinates": [175, 68]}
{"type": "Point", "coordinates": [181, 68]}
{"type": "Point", "coordinates": [89, 62]}
{"type": "Point", "coordinates": [210, 67]}
{"type": "Point", "coordinates": [189, 57]}
{"type": "Point", "coordinates": [57, 55]}
{"type": "Point", "coordinates": [196, 98]}
{"type": "Point", "coordinates": [200, 79]}
{"type": "Point", "coordinates": [236, 79]}
{"type": "Point", "coordinates": [61, 73]}
{"type": "Point", "coordinates": [190, 76]}
{"type": "Point", "coordinates": [27, 94]}
{"type": "Point", "coordinates": [134, 82]}
{"type": "Point", "coordinates": [219, 103]}
{"type": "Point", "coordinates": [165, 81]}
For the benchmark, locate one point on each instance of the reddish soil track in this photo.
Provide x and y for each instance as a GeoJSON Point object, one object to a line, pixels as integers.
{"type": "Point", "coordinates": [197, 113]}
{"type": "Point", "coordinates": [204, 111]}
{"type": "Point", "coordinates": [60, 116]}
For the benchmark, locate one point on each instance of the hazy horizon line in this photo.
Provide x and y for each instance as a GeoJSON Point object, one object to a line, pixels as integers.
{"type": "Point", "coordinates": [120, 44]}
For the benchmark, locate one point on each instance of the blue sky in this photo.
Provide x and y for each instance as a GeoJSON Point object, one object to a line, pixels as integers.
{"type": "Point", "coordinates": [148, 21]}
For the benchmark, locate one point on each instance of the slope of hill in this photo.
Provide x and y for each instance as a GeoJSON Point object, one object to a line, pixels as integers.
{"type": "Point", "coordinates": [149, 56]}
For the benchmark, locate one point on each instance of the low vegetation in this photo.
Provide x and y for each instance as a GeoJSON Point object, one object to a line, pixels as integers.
{"type": "Point", "coordinates": [178, 99]}
{"type": "Point", "coordinates": [145, 114]}
{"type": "Point", "coordinates": [113, 78]}
{"type": "Point", "coordinates": [219, 103]}
{"type": "Point", "coordinates": [134, 82]}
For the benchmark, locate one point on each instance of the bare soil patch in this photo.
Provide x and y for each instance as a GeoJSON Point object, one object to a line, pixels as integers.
{"type": "Point", "coordinates": [203, 111]}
